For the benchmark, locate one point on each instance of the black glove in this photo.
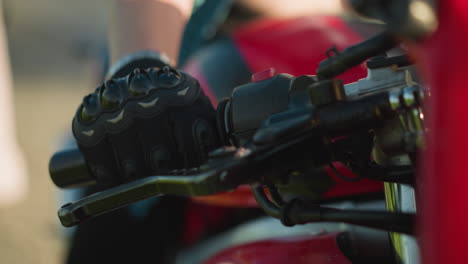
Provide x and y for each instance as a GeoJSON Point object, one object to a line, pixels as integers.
{"type": "Point", "coordinates": [148, 122]}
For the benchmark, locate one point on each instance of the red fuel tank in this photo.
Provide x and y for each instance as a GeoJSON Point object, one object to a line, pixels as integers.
{"type": "Point", "coordinates": [320, 249]}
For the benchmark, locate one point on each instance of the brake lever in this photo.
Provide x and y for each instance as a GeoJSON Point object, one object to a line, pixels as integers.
{"type": "Point", "coordinates": [219, 178]}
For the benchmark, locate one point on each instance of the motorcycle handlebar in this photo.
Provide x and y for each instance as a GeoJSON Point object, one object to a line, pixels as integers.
{"type": "Point", "coordinates": [261, 99]}
{"type": "Point", "coordinates": [68, 168]}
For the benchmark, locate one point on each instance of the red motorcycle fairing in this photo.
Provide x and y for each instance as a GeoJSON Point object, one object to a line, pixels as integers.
{"type": "Point", "coordinates": [320, 249]}
{"type": "Point", "coordinates": [294, 46]}
{"type": "Point", "coordinates": [442, 59]}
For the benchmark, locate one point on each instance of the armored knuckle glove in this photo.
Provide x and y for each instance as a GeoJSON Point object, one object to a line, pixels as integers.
{"type": "Point", "coordinates": [148, 122]}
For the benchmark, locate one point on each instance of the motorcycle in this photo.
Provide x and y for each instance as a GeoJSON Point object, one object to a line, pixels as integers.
{"type": "Point", "coordinates": [371, 129]}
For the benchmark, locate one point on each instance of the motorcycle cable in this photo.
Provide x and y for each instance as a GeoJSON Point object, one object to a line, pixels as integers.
{"type": "Point", "coordinates": [341, 176]}
{"type": "Point", "coordinates": [340, 61]}
{"type": "Point", "coordinates": [297, 212]}
{"type": "Point", "coordinates": [275, 195]}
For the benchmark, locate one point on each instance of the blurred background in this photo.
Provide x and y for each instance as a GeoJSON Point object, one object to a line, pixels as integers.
{"type": "Point", "coordinates": [55, 51]}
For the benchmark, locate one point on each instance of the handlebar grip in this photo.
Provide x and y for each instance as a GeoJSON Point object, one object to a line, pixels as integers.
{"type": "Point", "coordinates": [68, 169]}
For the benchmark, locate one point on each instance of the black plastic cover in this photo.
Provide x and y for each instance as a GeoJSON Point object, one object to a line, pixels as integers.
{"type": "Point", "coordinates": [254, 102]}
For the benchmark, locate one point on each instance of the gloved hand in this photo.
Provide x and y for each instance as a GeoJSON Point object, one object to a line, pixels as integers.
{"type": "Point", "coordinates": [146, 123]}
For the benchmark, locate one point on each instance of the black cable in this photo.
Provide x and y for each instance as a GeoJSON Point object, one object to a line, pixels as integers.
{"type": "Point", "coordinates": [275, 195]}
{"type": "Point", "coordinates": [341, 176]}
{"type": "Point", "coordinates": [394, 222]}
{"type": "Point", "coordinates": [262, 200]}
{"type": "Point", "coordinates": [355, 55]}
{"type": "Point", "coordinates": [296, 212]}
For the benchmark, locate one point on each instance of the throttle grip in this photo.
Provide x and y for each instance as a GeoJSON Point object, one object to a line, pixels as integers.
{"type": "Point", "coordinates": [139, 104]}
